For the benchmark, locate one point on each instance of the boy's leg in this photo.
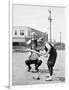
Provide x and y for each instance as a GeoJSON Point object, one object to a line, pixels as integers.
{"type": "Point", "coordinates": [37, 64]}
{"type": "Point", "coordinates": [50, 67]}
{"type": "Point", "coordinates": [28, 62]}
{"type": "Point", "coordinates": [51, 63]}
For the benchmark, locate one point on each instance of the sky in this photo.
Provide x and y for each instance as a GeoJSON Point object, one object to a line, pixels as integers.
{"type": "Point", "coordinates": [37, 17]}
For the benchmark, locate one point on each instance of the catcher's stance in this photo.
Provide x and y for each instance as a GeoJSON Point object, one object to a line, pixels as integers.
{"type": "Point", "coordinates": [34, 55]}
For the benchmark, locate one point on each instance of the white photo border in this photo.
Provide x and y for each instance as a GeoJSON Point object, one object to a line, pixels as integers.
{"type": "Point", "coordinates": [10, 36]}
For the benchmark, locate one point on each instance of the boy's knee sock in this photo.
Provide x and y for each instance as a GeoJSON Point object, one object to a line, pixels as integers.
{"type": "Point", "coordinates": [50, 70]}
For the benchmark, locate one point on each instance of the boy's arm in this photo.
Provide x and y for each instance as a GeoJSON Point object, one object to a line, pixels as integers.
{"type": "Point", "coordinates": [47, 53]}
{"type": "Point", "coordinates": [49, 48]}
{"type": "Point", "coordinates": [34, 51]}
{"type": "Point", "coordinates": [30, 50]}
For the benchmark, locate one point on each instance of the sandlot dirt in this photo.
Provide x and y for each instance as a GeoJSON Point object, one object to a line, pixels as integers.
{"type": "Point", "coordinates": [20, 76]}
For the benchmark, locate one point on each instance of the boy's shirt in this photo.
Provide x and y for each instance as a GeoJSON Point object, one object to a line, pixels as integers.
{"type": "Point", "coordinates": [48, 46]}
{"type": "Point", "coordinates": [33, 56]}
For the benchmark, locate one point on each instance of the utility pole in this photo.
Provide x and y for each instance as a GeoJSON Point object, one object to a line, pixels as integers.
{"type": "Point", "coordinates": [50, 20]}
{"type": "Point", "coordinates": [60, 37]}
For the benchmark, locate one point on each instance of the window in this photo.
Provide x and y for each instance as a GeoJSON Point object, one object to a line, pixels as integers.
{"type": "Point", "coordinates": [21, 32]}
{"type": "Point", "coordinates": [15, 32]}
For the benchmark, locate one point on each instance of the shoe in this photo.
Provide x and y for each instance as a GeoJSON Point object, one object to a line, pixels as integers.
{"type": "Point", "coordinates": [36, 68]}
{"type": "Point", "coordinates": [29, 69]}
{"type": "Point", "coordinates": [49, 78]}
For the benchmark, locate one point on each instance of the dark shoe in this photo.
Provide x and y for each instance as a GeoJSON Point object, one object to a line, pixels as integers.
{"type": "Point", "coordinates": [36, 68]}
{"type": "Point", "coordinates": [29, 69]}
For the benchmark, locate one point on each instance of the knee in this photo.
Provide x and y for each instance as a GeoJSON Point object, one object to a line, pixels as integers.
{"type": "Point", "coordinates": [27, 62]}
{"type": "Point", "coordinates": [39, 62]}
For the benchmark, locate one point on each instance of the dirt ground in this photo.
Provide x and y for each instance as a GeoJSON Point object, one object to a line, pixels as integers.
{"type": "Point", "coordinates": [20, 76]}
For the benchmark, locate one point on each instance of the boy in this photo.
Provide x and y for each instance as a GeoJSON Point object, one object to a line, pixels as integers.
{"type": "Point", "coordinates": [51, 51]}
{"type": "Point", "coordinates": [33, 56]}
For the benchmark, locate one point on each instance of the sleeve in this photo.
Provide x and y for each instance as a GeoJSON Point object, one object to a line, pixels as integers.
{"type": "Point", "coordinates": [29, 42]}
{"type": "Point", "coordinates": [48, 46]}
{"type": "Point", "coordinates": [29, 54]}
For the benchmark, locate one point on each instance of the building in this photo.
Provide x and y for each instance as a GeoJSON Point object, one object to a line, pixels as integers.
{"type": "Point", "coordinates": [22, 33]}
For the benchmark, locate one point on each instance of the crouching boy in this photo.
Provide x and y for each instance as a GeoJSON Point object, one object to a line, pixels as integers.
{"type": "Point", "coordinates": [33, 58]}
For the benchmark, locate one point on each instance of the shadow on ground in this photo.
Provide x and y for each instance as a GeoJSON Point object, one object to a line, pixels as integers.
{"type": "Point", "coordinates": [44, 71]}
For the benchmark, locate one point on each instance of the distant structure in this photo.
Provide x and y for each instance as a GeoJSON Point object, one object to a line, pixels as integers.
{"type": "Point", "coordinates": [60, 37]}
{"type": "Point", "coordinates": [21, 33]}
{"type": "Point", "coordinates": [50, 20]}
